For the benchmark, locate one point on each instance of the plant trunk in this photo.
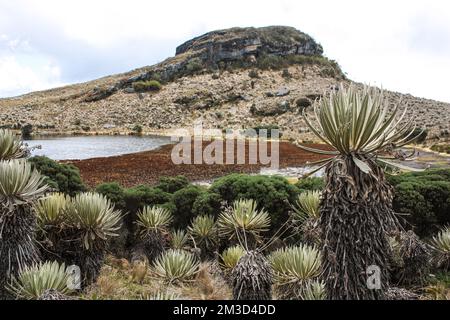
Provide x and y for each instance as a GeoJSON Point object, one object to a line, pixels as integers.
{"type": "Point", "coordinates": [52, 294]}
{"type": "Point", "coordinates": [356, 217]}
{"type": "Point", "coordinates": [252, 278]}
{"type": "Point", "coordinates": [17, 244]}
{"type": "Point", "coordinates": [70, 249]}
{"type": "Point", "coordinates": [415, 261]}
{"type": "Point", "coordinates": [153, 244]}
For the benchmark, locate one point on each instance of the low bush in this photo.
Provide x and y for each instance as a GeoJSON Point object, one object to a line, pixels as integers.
{"type": "Point", "coordinates": [135, 198]}
{"type": "Point", "coordinates": [183, 203]}
{"type": "Point", "coordinates": [114, 192]}
{"type": "Point", "coordinates": [193, 66]}
{"type": "Point", "coordinates": [207, 203]}
{"type": "Point", "coordinates": [303, 103]}
{"type": "Point", "coordinates": [424, 199]}
{"type": "Point", "coordinates": [172, 184]}
{"type": "Point", "coordinates": [310, 184]}
{"type": "Point", "coordinates": [60, 176]}
{"type": "Point", "coordinates": [143, 86]}
{"type": "Point", "coordinates": [253, 74]}
{"type": "Point", "coordinates": [140, 196]}
{"type": "Point", "coordinates": [330, 67]}
{"type": "Point", "coordinates": [137, 129]}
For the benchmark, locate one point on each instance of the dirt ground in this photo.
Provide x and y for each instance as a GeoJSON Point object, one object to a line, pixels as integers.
{"type": "Point", "coordinates": [147, 167]}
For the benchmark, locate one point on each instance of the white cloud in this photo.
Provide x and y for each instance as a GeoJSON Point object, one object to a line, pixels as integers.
{"type": "Point", "coordinates": [16, 77]}
{"type": "Point", "coordinates": [401, 44]}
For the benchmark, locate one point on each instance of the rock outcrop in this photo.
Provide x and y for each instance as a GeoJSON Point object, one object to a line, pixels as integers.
{"type": "Point", "coordinates": [209, 51]}
{"type": "Point", "coordinates": [249, 43]}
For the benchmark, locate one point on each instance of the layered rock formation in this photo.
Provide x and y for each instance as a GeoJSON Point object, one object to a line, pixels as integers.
{"type": "Point", "coordinates": [250, 43]}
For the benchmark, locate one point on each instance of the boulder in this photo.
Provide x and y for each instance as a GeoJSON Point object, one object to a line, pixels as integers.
{"type": "Point", "coordinates": [272, 110]}
{"type": "Point", "coordinates": [283, 91]}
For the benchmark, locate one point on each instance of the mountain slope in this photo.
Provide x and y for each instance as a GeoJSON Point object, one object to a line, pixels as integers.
{"type": "Point", "coordinates": [234, 78]}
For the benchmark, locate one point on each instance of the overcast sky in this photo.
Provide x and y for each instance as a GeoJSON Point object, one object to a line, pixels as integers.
{"type": "Point", "coordinates": [401, 45]}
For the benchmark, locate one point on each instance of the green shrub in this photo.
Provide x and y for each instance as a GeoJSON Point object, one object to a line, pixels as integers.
{"type": "Point", "coordinates": [303, 103]}
{"type": "Point", "coordinates": [330, 67]}
{"type": "Point", "coordinates": [424, 197]}
{"type": "Point", "coordinates": [114, 192]}
{"type": "Point", "coordinates": [172, 184]}
{"type": "Point", "coordinates": [137, 129]}
{"type": "Point", "coordinates": [194, 65]}
{"type": "Point", "coordinates": [409, 201]}
{"type": "Point", "coordinates": [253, 74]}
{"type": "Point", "coordinates": [183, 203]}
{"type": "Point", "coordinates": [62, 177]}
{"type": "Point", "coordinates": [207, 203]}
{"type": "Point", "coordinates": [140, 196]}
{"type": "Point", "coordinates": [310, 184]}
{"type": "Point", "coordinates": [272, 193]}
{"type": "Point", "coordinates": [151, 85]}
{"type": "Point", "coordinates": [26, 130]}
{"type": "Point", "coordinates": [266, 62]}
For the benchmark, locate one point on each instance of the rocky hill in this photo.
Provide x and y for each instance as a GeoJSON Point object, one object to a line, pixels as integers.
{"type": "Point", "coordinates": [234, 78]}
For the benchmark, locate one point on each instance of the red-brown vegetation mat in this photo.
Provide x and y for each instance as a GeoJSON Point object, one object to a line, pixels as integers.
{"type": "Point", "coordinates": [147, 167]}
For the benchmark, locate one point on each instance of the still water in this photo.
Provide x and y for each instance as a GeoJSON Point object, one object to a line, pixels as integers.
{"type": "Point", "coordinates": [85, 147]}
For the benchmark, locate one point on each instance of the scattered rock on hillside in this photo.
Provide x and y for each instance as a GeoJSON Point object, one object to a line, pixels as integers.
{"type": "Point", "coordinates": [100, 93]}
{"type": "Point", "coordinates": [273, 110]}
{"type": "Point", "coordinates": [284, 91]}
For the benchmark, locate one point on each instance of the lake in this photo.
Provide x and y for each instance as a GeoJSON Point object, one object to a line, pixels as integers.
{"type": "Point", "coordinates": [85, 147]}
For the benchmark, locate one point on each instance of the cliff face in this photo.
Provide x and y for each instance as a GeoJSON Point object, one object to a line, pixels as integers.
{"type": "Point", "coordinates": [236, 78]}
{"type": "Point", "coordinates": [250, 43]}
{"type": "Point", "coordinates": [219, 49]}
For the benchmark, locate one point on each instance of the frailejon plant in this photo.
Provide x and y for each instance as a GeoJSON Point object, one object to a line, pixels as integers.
{"type": "Point", "coordinates": [176, 266]}
{"type": "Point", "coordinates": [294, 269]}
{"type": "Point", "coordinates": [20, 187]}
{"type": "Point", "coordinates": [11, 147]}
{"type": "Point", "coordinates": [153, 224]}
{"type": "Point", "coordinates": [243, 222]}
{"type": "Point", "coordinates": [356, 206]}
{"type": "Point", "coordinates": [178, 239]}
{"type": "Point", "coordinates": [203, 230]}
{"type": "Point", "coordinates": [441, 246]}
{"type": "Point", "coordinates": [51, 209]}
{"type": "Point", "coordinates": [306, 216]}
{"type": "Point", "coordinates": [411, 259]}
{"type": "Point", "coordinates": [51, 216]}
{"type": "Point", "coordinates": [92, 221]}
{"type": "Point", "coordinates": [251, 279]}
{"type": "Point", "coordinates": [307, 206]}
{"type": "Point", "coordinates": [42, 281]}
{"type": "Point", "coordinates": [230, 257]}
{"type": "Point", "coordinates": [314, 290]}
